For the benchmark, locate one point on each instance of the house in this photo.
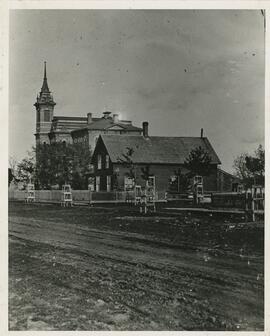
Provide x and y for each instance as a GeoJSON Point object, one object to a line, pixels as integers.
{"type": "Point", "coordinates": [51, 128]}
{"type": "Point", "coordinates": [226, 181]}
{"type": "Point", "coordinates": [161, 156]}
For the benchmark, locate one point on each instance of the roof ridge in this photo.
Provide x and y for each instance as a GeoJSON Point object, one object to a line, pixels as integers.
{"type": "Point", "coordinates": [57, 116]}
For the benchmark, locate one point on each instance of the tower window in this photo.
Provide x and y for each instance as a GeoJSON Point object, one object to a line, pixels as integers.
{"type": "Point", "coordinates": [47, 115]}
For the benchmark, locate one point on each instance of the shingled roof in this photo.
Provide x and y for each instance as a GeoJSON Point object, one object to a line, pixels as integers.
{"type": "Point", "coordinates": [155, 149]}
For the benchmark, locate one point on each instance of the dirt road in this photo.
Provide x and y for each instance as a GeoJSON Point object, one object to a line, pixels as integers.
{"type": "Point", "coordinates": [113, 269]}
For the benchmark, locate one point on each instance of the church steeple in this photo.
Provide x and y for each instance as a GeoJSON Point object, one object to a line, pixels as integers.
{"type": "Point", "coordinates": [45, 96]}
{"type": "Point", "coordinates": [44, 111]}
{"type": "Point", "coordinates": [45, 87]}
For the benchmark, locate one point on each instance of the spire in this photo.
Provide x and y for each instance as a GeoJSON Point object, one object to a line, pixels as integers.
{"type": "Point", "coordinates": [45, 96]}
{"type": "Point", "coordinates": [45, 87]}
{"type": "Point", "coordinates": [45, 75]}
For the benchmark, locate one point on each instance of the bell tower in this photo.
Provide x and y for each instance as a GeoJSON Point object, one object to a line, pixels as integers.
{"type": "Point", "coordinates": [44, 112]}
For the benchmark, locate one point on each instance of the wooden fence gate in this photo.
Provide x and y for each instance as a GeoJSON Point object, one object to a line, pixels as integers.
{"type": "Point", "coordinates": [255, 202]}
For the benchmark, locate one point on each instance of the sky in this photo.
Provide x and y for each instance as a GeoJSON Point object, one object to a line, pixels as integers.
{"type": "Point", "coordinates": [180, 70]}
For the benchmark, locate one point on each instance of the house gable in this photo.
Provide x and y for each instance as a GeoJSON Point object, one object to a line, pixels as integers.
{"type": "Point", "coordinates": [116, 128]}
{"type": "Point", "coordinates": [99, 148]}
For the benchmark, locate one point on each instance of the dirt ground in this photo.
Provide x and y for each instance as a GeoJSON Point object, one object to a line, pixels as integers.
{"type": "Point", "coordinates": [85, 268]}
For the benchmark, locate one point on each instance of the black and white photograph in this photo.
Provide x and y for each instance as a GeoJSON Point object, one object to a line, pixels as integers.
{"type": "Point", "coordinates": [136, 169]}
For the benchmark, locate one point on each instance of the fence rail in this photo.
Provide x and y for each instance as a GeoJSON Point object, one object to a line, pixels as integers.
{"type": "Point", "coordinates": [250, 202]}
{"type": "Point", "coordinates": [83, 196]}
{"type": "Point", "coordinates": [228, 200]}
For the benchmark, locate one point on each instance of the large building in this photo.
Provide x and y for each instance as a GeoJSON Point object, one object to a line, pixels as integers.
{"type": "Point", "coordinates": [50, 128]}
{"type": "Point", "coordinates": [162, 156]}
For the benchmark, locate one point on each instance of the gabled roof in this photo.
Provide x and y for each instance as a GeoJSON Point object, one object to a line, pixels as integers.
{"type": "Point", "coordinates": [107, 123]}
{"type": "Point", "coordinates": [155, 149]}
{"type": "Point", "coordinates": [115, 127]}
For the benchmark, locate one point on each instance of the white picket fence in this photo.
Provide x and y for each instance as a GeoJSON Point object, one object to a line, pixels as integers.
{"type": "Point", "coordinates": [81, 196]}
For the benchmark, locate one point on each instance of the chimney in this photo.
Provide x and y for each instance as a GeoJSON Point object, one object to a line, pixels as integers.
{"type": "Point", "coordinates": [115, 118]}
{"type": "Point", "coordinates": [89, 118]}
{"type": "Point", "coordinates": [145, 129]}
{"type": "Point", "coordinates": [201, 132]}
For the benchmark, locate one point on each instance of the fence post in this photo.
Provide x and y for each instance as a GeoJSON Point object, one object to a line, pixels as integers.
{"type": "Point", "coordinates": [247, 201]}
{"type": "Point", "coordinates": [253, 208]}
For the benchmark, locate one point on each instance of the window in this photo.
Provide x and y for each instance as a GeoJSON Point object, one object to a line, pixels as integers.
{"type": "Point", "coordinates": [151, 182]}
{"type": "Point", "coordinates": [99, 161]}
{"type": "Point", "coordinates": [107, 161]}
{"type": "Point", "coordinates": [109, 182]}
{"type": "Point", "coordinates": [197, 179]}
{"type": "Point", "coordinates": [91, 183]}
{"type": "Point", "coordinates": [91, 168]}
{"type": "Point", "coordinates": [151, 188]}
{"type": "Point", "coordinates": [47, 115]}
{"type": "Point", "coordinates": [97, 183]}
{"type": "Point", "coordinates": [128, 183]}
